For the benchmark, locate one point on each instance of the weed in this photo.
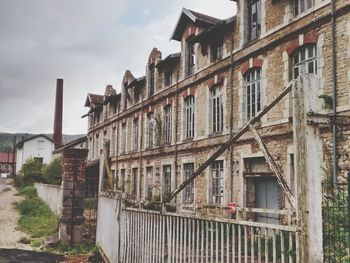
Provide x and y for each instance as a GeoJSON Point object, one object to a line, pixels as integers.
{"type": "Point", "coordinates": [24, 240]}
{"type": "Point", "coordinates": [84, 248]}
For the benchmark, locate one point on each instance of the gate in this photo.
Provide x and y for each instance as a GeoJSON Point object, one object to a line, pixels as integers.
{"type": "Point", "coordinates": [149, 236]}
{"type": "Point", "coordinates": [336, 227]}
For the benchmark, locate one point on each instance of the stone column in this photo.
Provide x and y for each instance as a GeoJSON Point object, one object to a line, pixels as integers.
{"type": "Point", "coordinates": [73, 188]}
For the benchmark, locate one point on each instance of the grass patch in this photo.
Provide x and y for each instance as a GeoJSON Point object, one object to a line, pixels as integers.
{"type": "Point", "coordinates": [85, 248]}
{"type": "Point", "coordinates": [36, 219]}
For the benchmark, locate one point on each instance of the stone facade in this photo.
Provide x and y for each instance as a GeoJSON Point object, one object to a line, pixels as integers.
{"type": "Point", "coordinates": [133, 121]}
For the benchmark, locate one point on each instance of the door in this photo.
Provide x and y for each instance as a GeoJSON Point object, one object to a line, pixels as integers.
{"type": "Point", "coordinates": [266, 196]}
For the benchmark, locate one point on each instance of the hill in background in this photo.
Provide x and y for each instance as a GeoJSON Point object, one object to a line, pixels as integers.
{"type": "Point", "coordinates": [6, 139]}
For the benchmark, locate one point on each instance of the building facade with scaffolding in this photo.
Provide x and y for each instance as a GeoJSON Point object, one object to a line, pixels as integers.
{"type": "Point", "coordinates": [249, 121]}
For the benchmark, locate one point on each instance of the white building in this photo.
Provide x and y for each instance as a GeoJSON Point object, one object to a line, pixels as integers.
{"type": "Point", "coordinates": [38, 147]}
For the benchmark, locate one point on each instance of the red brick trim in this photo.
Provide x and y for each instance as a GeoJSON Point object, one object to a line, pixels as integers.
{"type": "Point", "coordinates": [257, 63]}
{"type": "Point", "coordinates": [309, 38]}
{"type": "Point", "coordinates": [167, 101]}
{"type": "Point", "coordinates": [212, 84]}
{"type": "Point", "coordinates": [188, 92]}
{"type": "Point", "coordinates": [189, 31]}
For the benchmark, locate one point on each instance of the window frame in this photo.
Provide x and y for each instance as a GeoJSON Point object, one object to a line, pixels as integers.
{"type": "Point", "coordinates": [188, 192]}
{"type": "Point", "coordinates": [191, 58]}
{"type": "Point", "coordinates": [166, 189]}
{"type": "Point", "coordinates": [136, 128]}
{"type": "Point", "coordinates": [302, 6]}
{"type": "Point", "coordinates": [215, 168]}
{"type": "Point", "coordinates": [167, 124]}
{"type": "Point", "coordinates": [254, 32]}
{"type": "Point", "coordinates": [152, 80]}
{"type": "Point", "coordinates": [216, 50]}
{"type": "Point", "coordinates": [304, 62]}
{"type": "Point", "coordinates": [150, 130]}
{"type": "Point", "coordinates": [123, 138]}
{"type": "Point", "coordinates": [216, 110]}
{"type": "Point", "coordinates": [189, 117]}
{"type": "Point", "coordinates": [253, 100]}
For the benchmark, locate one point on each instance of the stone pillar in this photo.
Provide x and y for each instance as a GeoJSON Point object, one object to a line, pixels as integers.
{"type": "Point", "coordinates": [73, 188]}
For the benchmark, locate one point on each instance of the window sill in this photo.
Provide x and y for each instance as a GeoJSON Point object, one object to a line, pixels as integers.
{"type": "Point", "coordinates": [187, 140]}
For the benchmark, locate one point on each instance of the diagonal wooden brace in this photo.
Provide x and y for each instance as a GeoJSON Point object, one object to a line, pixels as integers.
{"type": "Point", "coordinates": [280, 179]}
{"type": "Point", "coordinates": [230, 141]}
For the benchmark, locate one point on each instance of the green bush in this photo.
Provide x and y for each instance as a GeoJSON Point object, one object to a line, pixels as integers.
{"type": "Point", "coordinates": [53, 171]}
{"type": "Point", "coordinates": [34, 172]}
{"type": "Point", "coordinates": [28, 191]}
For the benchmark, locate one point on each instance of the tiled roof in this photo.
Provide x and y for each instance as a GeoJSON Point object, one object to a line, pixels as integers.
{"type": "Point", "coordinates": [95, 98]}
{"type": "Point", "coordinates": [6, 157]}
{"type": "Point", "coordinates": [204, 17]}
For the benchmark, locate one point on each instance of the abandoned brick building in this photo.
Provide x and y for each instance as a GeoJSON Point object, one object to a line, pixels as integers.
{"type": "Point", "coordinates": [164, 125]}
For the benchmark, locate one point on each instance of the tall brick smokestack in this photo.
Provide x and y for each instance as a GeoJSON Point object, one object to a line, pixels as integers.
{"type": "Point", "coordinates": [57, 127]}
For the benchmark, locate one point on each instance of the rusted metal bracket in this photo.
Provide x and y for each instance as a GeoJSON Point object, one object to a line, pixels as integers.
{"type": "Point", "coordinates": [280, 179]}
{"type": "Point", "coordinates": [230, 141]}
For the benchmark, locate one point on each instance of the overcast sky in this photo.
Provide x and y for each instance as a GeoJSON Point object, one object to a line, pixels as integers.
{"type": "Point", "coordinates": [88, 43]}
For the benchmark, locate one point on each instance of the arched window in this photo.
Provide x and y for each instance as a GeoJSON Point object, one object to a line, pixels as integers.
{"type": "Point", "coordinates": [253, 91]}
{"type": "Point", "coordinates": [304, 60]}
{"type": "Point", "coordinates": [189, 117]}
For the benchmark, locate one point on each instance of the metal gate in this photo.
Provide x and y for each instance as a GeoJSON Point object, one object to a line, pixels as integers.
{"type": "Point", "coordinates": [336, 227]}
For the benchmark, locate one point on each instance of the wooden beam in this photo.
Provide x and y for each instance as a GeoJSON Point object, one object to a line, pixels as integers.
{"type": "Point", "coordinates": [280, 179]}
{"type": "Point", "coordinates": [228, 143]}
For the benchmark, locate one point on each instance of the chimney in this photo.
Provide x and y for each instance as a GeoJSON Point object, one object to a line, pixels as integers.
{"type": "Point", "coordinates": [57, 128]}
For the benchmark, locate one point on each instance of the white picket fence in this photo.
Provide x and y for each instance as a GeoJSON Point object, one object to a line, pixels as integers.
{"type": "Point", "coordinates": [144, 236]}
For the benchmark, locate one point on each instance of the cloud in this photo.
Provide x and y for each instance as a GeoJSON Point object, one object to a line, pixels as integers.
{"type": "Point", "coordinates": [89, 43]}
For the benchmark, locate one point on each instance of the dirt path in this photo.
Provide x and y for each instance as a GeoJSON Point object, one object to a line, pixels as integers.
{"type": "Point", "coordinates": [9, 236]}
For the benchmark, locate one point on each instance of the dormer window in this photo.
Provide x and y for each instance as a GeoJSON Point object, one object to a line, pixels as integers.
{"type": "Point", "coordinates": [191, 58]}
{"type": "Point", "coordinates": [168, 78]}
{"type": "Point", "coordinates": [216, 50]}
{"type": "Point", "coordinates": [151, 78]}
{"type": "Point", "coordinates": [254, 19]}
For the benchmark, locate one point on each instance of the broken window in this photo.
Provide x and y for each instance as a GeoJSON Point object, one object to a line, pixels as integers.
{"type": "Point", "coordinates": [301, 6]}
{"type": "Point", "coordinates": [217, 183]}
{"type": "Point", "coordinates": [189, 117]}
{"type": "Point", "coordinates": [166, 181]}
{"type": "Point", "coordinates": [217, 110]}
{"type": "Point", "coordinates": [168, 78]}
{"type": "Point", "coordinates": [216, 50]}
{"type": "Point", "coordinates": [150, 129]}
{"type": "Point", "coordinates": [304, 61]}
{"type": "Point", "coordinates": [253, 92]}
{"type": "Point", "coordinates": [167, 124]}
{"type": "Point", "coordinates": [136, 134]}
{"type": "Point", "coordinates": [191, 58]}
{"type": "Point", "coordinates": [188, 191]}
{"type": "Point", "coordinates": [254, 19]}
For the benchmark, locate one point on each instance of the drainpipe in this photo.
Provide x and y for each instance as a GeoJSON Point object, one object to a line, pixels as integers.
{"type": "Point", "coordinates": [176, 130]}
{"type": "Point", "coordinates": [334, 91]}
{"type": "Point", "coordinates": [231, 119]}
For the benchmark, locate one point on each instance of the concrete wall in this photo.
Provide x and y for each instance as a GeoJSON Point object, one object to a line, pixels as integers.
{"type": "Point", "coordinates": [51, 195]}
{"type": "Point", "coordinates": [107, 229]}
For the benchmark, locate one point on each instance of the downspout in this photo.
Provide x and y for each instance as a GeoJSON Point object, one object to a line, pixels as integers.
{"type": "Point", "coordinates": [176, 129]}
{"type": "Point", "coordinates": [334, 91]}
{"type": "Point", "coordinates": [231, 118]}
{"type": "Point", "coordinates": [140, 159]}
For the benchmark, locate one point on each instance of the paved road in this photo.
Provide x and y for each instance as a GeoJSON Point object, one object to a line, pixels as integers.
{"type": "Point", "coordinates": [24, 256]}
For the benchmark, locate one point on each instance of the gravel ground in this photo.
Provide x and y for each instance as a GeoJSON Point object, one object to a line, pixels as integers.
{"type": "Point", "coordinates": [9, 236]}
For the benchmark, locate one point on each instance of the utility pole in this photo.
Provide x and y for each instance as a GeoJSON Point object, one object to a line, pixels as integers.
{"type": "Point", "coordinates": [13, 157]}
